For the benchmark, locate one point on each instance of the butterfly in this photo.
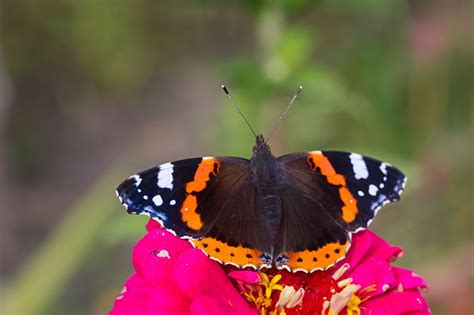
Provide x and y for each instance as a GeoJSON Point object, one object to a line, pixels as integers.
{"type": "Point", "coordinates": [295, 212]}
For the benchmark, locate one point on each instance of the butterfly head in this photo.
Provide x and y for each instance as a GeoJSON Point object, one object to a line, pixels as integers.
{"type": "Point", "coordinates": [261, 145]}
{"type": "Point", "coordinates": [262, 156]}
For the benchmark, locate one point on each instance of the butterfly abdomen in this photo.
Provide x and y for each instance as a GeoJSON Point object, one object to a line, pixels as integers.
{"type": "Point", "coordinates": [271, 210]}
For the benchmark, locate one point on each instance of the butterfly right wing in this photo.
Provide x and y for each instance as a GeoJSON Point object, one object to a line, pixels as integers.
{"type": "Point", "coordinates": [329, 196]}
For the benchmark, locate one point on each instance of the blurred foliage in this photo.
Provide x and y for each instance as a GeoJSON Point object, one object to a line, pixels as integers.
{"type": "Point", "coordinates": [374, 82]}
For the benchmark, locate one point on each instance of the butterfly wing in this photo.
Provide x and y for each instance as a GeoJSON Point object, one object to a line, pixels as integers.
{"type": "Point", "coordinates": [329, 195]}
{"type": "Point", "coordinates": [373, 183]}
{"type": "Point", "coordinates": [208, 201]}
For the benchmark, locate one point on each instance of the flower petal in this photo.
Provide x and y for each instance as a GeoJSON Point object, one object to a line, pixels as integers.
{"type": "Point", "coordinates": [155, 254]}
{"type": "Point", "coordinates": [361, 242]}
{"type": "Point", "coordinates": [130, 300]}
{"type": "Point", "coordinates": [382, 249]}
{"type": "Point", "coordinates": [250, 277]}
{"type": "Point", "coordinates": [140, 298]}
{"type": "Point", "coordinates": [369, 272]}
{"type": "Point", "coordinates": [204, 305]}
{"type": "Point", "coordinates": [153, 225]}
{"type": "Point", "coordinates": [169, 300]}
{"type": "Point", "coordinates": [409, 279]}
{"type": "Point", "coordinates": [196, 275]}
{"type": "Point", "coordinates": [396, 303]}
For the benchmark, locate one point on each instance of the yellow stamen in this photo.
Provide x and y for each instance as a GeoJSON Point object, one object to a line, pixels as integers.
{"type": "Point", "coordinates": [271, 285]}
{"type": "Point", "coordinates": [353, 305]}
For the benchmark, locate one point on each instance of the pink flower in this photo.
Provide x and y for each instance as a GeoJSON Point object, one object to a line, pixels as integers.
{"type": "Point", "coordinates": [174, 278]}
{"type": "Point", "coordinates": [365, 282]}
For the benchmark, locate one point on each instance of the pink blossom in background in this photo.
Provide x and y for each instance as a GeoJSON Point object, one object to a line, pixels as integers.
{"type": "Point", "coordinates": [174, 278]}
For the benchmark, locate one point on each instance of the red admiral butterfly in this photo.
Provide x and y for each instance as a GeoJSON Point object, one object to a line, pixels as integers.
{"type": "Point", "coordinates": [297, 211]}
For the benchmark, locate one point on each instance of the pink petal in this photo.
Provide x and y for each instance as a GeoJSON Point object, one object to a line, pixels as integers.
{"type": "Point", "coordinates": [140, 298]}
{"type": "Point", "coordinates": [361, 242]}
{"type": "Point", "coordinates": [249, 277]}
{"type": "Point", "coordinates": [380, 248]}
{"type": "Point", "coordinates": [396, 303]}
{"type": "Point", "coordinates": [409, 279]}
{"type": "Point", "coordinates": [383, 284]}
{"type": "Point", "coordinates": [132, 299]}
{"type": "Point", "coordinates": [369, 272]}
{"type": "Point", "coordinates": [366, 244]}
{"type": "Point", "coordinates": [168, 300]}
{"type": "Point", "coordinates": [155, 254]}
{"type": "Point", "coordinates": [195, 274]}
{"type": "Point", "coordinates": [204, 305]}
{"type": "Point", "coordinates": [153, 225]}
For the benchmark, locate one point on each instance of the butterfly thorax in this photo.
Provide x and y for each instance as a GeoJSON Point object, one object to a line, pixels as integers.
{"type": "Point", "coordinates": [266, 170]}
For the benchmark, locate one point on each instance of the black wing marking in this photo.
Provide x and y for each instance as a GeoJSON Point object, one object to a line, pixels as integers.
{"type": "Point", "coordinates": [374, 183]}
{"type": "Point", "coordinates": [159, 193]}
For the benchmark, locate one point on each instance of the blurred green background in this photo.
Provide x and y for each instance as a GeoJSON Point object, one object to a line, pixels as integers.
{"type": "Point", "coordinates": [94, 91]}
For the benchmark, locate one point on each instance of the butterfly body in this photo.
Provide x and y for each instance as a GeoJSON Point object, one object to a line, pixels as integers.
{"type": "Point", "coordinates": [296, 211]}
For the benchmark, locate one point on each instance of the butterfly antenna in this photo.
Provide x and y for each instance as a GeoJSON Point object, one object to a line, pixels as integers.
{"type": "Point", "coordinates": [283, 114]}
{"type": "Point", "coordinates": [232, 100]}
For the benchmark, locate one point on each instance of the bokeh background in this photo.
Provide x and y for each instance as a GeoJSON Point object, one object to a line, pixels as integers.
{"type": "Point", "coordinates": [94, 91]}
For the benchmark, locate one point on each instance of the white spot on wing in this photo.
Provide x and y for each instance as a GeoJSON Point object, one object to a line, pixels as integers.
{"type": "Point", "coordinates": [358, 166]}
{"type": "Point", "coordinates": [360, 193]}
{"type": "Point", "coordinates": [173, 202]}
{"type": "Point", "coordinates": [137, 179]}
{"type": "Point", "coordinates": [373, 190]}
{"type": "Point", "coordinates": [165, 176]}
{"type": "Point", "coordinates": [145, 197]}
{"type": "Point", "coordinates": [383, 168]}
{"type": "Point", "coordinates": [157, 200]}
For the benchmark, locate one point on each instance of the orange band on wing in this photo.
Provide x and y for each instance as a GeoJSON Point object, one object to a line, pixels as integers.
{"type": "Point", "coordinates": [189, 214]}
{"type": "Point", "coordinates": [322, 162]}
{"type": "Point", "coordinates": [237, 255]}
{"type": "Point", "coordinates": [321, 258]}
{"type": "Point", "coordinates": [208, 166]}
{"type": "Point", "coordinates": [349, 210]}
{"type": "Point", "coordinates": [316, 160]}
{"type": "Point", "coordinates": [203, 173]}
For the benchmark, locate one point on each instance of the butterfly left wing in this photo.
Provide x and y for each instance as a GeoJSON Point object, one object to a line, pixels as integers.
{"type": "Point", "coordinates": [330, 195]}
{"type": "Point", "coordinates": [208, 201]}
